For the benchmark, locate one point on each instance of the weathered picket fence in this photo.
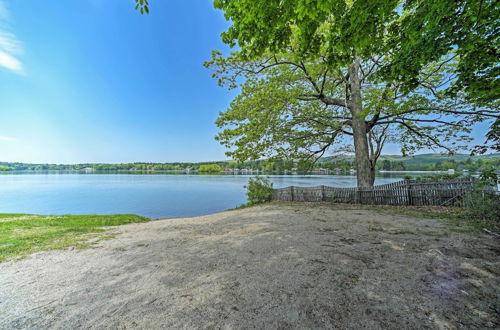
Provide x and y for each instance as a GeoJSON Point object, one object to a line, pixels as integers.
{"type": "Point", "coordinates": [406, 192]}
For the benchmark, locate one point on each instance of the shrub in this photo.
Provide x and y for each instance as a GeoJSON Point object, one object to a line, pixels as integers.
{"type": "Point", "coordinates": [259, 190]}
{"type": "Point", "coordinates": [483, 207]}
{"type": "Point", "coordinates": [488, 178]}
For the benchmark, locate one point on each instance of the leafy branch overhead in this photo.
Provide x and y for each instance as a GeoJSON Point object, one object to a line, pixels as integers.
{"type": "Point", "coordinates": [142, 6]}
{"type": "Point", "coordinates": [412, 33]}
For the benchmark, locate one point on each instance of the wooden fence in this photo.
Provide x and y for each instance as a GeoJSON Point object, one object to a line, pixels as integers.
{"type": "Point", "coordinates": [406, 192]}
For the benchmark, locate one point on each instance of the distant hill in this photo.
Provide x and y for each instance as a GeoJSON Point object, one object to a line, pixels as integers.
{"type": "Point", "coordinates": [420, 159]}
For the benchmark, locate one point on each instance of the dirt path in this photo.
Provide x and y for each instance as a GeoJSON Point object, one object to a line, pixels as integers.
{"type": "Point", "coordinates": [273, 266]}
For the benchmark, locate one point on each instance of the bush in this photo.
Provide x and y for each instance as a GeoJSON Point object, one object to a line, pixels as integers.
{"type": "Point", "coordinates": [209, 168]}
{"type": "Point", "coordinates": [259, 190]}
{"type": "Point", "coordinates": [483, 207]}
{"type": "Point", "coordinates": [488, 178]}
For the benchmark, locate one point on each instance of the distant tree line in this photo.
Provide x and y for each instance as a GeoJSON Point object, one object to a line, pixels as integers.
{"type": "Point", "coordinates": [266, 165]}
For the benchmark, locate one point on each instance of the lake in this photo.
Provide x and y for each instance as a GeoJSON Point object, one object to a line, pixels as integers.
{"type": "Point", "coordinates": [151, 195]}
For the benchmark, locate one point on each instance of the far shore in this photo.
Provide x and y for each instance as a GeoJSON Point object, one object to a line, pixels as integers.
{"type": "Point", "coordinates": [423, 172]}
{"type": "Point", "coordinates": [256, 172]}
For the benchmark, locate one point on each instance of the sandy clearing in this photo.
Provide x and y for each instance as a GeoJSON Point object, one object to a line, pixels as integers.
{"type": "Point", "coordinates": [273, 267]}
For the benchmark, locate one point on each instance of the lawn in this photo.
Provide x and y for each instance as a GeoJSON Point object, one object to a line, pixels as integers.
{"type": "Point", "coordinates": [23, 234]}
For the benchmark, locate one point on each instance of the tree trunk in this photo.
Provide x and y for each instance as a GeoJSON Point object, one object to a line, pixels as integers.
{"type": "Point", "coordinates": [372, 173]}
{"type": "Point", "coordinates": [365, 173]}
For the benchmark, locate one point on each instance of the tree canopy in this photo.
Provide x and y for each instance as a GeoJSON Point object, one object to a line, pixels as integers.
{"type": "Point", "coordinates": [299, 110]}
{"type": "Point", "coordinates": [411, 33]}
{"type": "Point", "coordinates": [317, 71]}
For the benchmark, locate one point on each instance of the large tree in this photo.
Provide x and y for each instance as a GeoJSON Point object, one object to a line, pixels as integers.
{"type": "Point", "coordinates": [357, 65]}
{"type": "Point", "coordinates": [424, 69]}
{"type": "Point", "coordinates": [290, 108]}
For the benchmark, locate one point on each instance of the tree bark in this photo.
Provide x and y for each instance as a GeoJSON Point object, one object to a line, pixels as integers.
{"type": "Point", "coordinates": [372, 173]}
{"type": "Point", "coordinates": [365, 172]}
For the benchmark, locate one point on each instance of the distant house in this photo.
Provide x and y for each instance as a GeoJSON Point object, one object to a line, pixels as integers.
{"type": "Point", "coordinates": [321, 170]}
{"type": "Point", "coordinates": [88, 169]}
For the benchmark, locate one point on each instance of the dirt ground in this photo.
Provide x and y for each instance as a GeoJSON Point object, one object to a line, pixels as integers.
{"type": "Point", "coordinates": [266, 267]}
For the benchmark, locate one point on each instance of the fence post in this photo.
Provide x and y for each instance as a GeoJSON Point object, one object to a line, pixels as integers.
{"type": "Point", "coordinates": [292, 192]}
{"type": "Point", "coordinates": [322, 193]}
{"type": "Point", "coordinates": [408, 189]}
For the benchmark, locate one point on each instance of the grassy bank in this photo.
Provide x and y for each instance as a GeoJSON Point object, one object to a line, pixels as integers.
{"type": "Point", "coordinates": [23, 234]}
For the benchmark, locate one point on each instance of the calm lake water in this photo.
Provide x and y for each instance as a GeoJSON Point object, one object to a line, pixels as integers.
{"type": "Point", "coordinates": [152, 195]}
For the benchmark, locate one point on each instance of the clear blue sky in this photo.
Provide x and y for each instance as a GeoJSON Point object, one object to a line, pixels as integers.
{"type": "Point", "coordinates": [94, 81]}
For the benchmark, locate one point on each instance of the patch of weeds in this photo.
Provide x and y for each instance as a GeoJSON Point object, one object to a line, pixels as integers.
{"type": "Point", "coordinates": [412, 248]}
{"type": "Point", "coordinates": [483, 209]}
{"type": "Point", "coordinates": [417, 232]}
{"type": "Point", "coordinates": [491, 269]}
{"type": "Point", "coordinates": [325, 231]}
{"type": "Point", "coordinates": [376, 228]}
{"type": "Point", "coordinates": [456, 219]}
{"type": "Point", "coordinates": [431, 233]}
{"type": "Point", "coordinates": [346, 280]}
{"type": "Point", "coordinates": [242, 206]}
{"type": "Point", "coordinates": [465, 227]}
{"type": "Point", "coordinates": [104, 236]}
{"type": "Point", "coordinates": [401, 232]}
{"type": "Point", "coordinates": [420, 212]}
{"type": "Point", "coordinates": [464, 224]}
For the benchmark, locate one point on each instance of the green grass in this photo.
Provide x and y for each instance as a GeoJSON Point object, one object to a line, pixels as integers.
{"type": "Point", "coordinates": [11, 215]}
{"type": "Point", "coordinates": [23, 234]}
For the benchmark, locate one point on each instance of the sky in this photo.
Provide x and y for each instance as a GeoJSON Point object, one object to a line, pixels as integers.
{"type": "Point", "coordinates": [95, 81]}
